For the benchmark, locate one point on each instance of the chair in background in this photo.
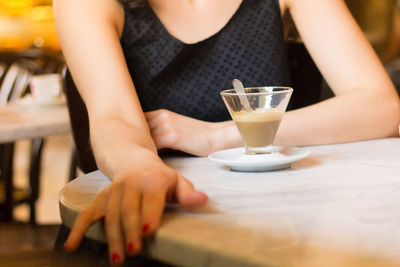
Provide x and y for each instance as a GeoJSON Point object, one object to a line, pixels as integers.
{"type": "Point", "coordinates": [15, 83]}
{"type": "Point", "coordinates": [16, 69]}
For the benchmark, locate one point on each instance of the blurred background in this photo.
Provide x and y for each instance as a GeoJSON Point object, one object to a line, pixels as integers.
{"type": "Point", "coordinates": [27, 24]}
{"type": "Point", "coordinates": [380, 21]}
{"type": "Point", "coordinates": [29, 46]}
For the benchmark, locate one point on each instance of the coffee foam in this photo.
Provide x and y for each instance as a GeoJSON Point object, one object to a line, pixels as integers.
{"type": "Point", "coordinates": [257, 115]}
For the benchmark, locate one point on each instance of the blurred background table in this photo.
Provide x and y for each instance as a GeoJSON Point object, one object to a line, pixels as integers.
{"type": "Point", "coordinates": [25, 122]}
{"type": "Point", "coordinates": [338, 207]}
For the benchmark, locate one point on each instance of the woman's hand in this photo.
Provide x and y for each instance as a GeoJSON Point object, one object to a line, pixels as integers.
{"type": "Point", "coordinates": [200, 138]}
{"type": "Point", "coordinates": [132, 206]}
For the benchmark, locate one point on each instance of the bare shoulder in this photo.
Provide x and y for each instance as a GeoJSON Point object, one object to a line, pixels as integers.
{"type": "Point", "coordinates": [90, 11]}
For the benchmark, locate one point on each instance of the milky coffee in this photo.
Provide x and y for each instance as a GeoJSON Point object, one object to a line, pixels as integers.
{"type": "Point", "coordinates": [258, 127]}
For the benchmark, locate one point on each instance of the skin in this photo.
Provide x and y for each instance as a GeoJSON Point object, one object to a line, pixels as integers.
{"type": "Point", "coordinates": [125, 140]}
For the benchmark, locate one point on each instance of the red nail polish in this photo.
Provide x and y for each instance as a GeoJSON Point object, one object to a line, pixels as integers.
{"type": "Point", "coordinates": [145, 228]}
{"type": "Point", "coordinates": [131, 247]}
{"type": "Point", "coordinates": [66, 244]}
{"type": "Point", "coordinates": [115, 259]}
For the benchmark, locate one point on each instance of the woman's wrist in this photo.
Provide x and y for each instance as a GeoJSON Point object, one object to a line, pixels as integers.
{"type": "Point", "coordinates": [225, 135]}
{"type": "Point", "coordinates": [130, 162]}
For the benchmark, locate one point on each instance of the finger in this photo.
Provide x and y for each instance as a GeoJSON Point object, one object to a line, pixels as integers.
{"type": "Point", "coordinates": [187, 195]}
{"type": "Point", "coordinates": [153, 203]}
{"type": "Point", "coordinates": [153, 123]}
{"type": "Point", "coordinates": [87, 217]}
{"type": "Point", "coordinates": [161, 141]}
{"type": "Point", "coordinates": [130, 213]}
{"type": "Point", "coordinates": [152, 114]}
{"type": "Point", "coordinates": [159, 119]}
{"type": "Point", "coordinates": [113, 225]}
{"type": "Point", "coordinates": [158, 128]}
{"type": "Point", "coordinates": [168, 139]}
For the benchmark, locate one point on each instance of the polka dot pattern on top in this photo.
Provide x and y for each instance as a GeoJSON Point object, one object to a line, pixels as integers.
{"type": "Point", "coordinates": [187, 78]}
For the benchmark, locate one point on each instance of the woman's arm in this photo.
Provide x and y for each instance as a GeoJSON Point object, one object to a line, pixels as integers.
{"type": "Point", "coordinates": [366, 105]}
{"type": "Point", "coordinates": [89, 32]}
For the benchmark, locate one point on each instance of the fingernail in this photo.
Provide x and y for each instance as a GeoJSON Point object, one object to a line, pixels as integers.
{"type": "Point", "coordinates": [65, 246]}
{"type": "Point", "coordinates": [131, 247]}
{"type": "Point", "coordinates": [145, 228]}
{"type": "Point", "coordinates": [115, 259]}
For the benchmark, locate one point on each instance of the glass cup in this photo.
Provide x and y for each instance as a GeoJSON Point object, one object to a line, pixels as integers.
{"type": "Point", "coordinates": [257, 114]}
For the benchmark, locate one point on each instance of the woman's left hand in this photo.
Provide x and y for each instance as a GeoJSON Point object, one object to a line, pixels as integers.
{"type": "Point", "coordinates": [199, 138]}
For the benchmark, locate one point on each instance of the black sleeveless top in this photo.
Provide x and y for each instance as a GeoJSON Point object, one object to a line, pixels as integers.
{"type": "Point", "coordinates": [187, 78]}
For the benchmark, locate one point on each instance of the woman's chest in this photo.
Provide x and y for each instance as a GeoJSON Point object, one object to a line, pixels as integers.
{"type": "Point", "coordinates": [194, 21]}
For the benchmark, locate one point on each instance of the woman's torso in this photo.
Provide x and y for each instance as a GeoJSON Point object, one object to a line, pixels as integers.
{"type": "Point", "coordinates": [187, 78]}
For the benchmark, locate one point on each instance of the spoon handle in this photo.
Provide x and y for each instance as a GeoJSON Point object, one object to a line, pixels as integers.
{"type": "Point", "coordinates": [237, 84]}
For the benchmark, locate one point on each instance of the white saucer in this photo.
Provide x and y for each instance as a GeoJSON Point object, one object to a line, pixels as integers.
{"type": "Point", "coordinates": [237, 160]}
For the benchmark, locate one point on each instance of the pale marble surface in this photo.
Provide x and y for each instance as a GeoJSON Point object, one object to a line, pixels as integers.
{"type": "Point", "coordinates": [25, 122]}
{"type": "Point", "coordinates": [338, 207]}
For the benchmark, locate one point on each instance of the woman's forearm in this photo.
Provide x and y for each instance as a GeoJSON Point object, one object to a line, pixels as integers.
{"type": "Point", "coordinates": [366, 105]}
{"type": "Point", "coordinates": [356, 115]}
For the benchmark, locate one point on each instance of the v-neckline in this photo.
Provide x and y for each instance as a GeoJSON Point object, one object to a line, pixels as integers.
{"type": "Point", "coordinates": [165, 30]}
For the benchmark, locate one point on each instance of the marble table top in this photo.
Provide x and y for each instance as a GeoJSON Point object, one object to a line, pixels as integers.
{"type": "Point", "coordinates": [24, 122]}
{"type": "Point", "coordinates": [338, 207]}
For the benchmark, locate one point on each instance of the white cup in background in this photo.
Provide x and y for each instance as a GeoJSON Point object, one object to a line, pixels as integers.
{"type": "Point", "coordinates": [45, 87]}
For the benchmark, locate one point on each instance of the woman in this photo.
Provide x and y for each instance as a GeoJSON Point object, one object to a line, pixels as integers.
{"type": "Point", "coordinates": [177, 55]}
